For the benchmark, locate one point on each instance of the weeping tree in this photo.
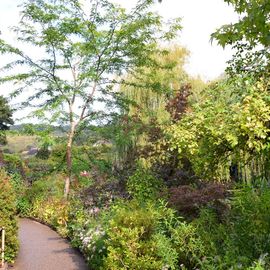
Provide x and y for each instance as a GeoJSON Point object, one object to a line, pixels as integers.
{"type": "Point", "coordinates": [72, 55]}
{"type": "Point", "coordinates": [138, 127]}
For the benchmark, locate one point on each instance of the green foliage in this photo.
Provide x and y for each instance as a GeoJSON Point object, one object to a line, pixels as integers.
{"type": "Point", "coordinates": [44, 202]}
{"type": "Point", "coordinates": [8, 217]}
{"type": "Point", "coordinates": [134, 240]}
{"type": "Point", "coordinates": [151, 236]}
{"type": "Point", "coordinates": [146, 234]}
{"type": "Point", "coordinates": [214, 128]}
{"type": "Point", "coordinates": [143, 185]}
{"type": "Point", "coordinates": [19, 186]}
{"type": "Point", "coordinates": [5, 114]}
{"type": "Point", "coordinates": [251, 223]}
{"type": "Point", "coordinates": [52, 211]}
{"type": "Point", "coordinates": [243, 237]}
{"type": "Point", "coordinates": [23, 207]}
{"type": "Point", "coordinates": [5, 119]}
{"type": "Point", "coordinates": [37, 169]}
{"type": "Point", "coordinates": [89, 156]}
{"type": "Point", "coordinates": [86, 158]}
{"type": "Point", "coordinates": [230, 123]}
{"type": "Point", "coordinates": [147, 93]}
{"type": "Point", "coordinates": [140, 236]}
{"type": "Point", "coordinates": [87, 234]}
{"type": "Point", "coordinates": [94, 45]}
{"type": "Point", "coordinates": [46, 188]}
{"type": "Point", "coordinates": [253, 27]}
{"type": "Point", "coordinates": [250, 39]}
{"type": "Point", "coordinates": [13, 163]}
{"type": "Point", "coordinates": [43, 153]}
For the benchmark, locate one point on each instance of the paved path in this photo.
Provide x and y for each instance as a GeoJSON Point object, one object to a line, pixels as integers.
{"type": "Point", "coordinates": [43, 249]}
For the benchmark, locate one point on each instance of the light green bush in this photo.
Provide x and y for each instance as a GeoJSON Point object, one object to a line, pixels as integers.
{"type": "Point", "coordinates": [137, 238]}
{"type": "Point", "coordinates": [8, 217]}
{"type": "Point", "coordinates": [143, 185]}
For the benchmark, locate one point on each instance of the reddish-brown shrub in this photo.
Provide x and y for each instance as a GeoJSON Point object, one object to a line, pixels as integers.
{"type": "Point", "coordinates": [178, 105]}
{"type": "Point", "coordinates": [188, 200]}
{"type": "Point", "coordinates": [101, 195]}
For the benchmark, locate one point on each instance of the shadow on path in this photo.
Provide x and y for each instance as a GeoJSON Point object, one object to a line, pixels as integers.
{"type": "Point", "coordinates": [41, 248]}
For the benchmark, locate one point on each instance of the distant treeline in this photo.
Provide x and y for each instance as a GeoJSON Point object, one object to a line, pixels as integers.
{"type": "Point", "coordinates": [29, 128]}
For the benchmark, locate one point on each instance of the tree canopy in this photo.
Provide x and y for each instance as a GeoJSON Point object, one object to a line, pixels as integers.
{"type": "Point", "coordinates": [80, 53]}
{"type": "Point", "coordinates": [249, 37]}
{"type": "Point", "coordinates": [5, 118]}
{"type": "Point", "coordinates": [253, 26]}
{"type": "Point", "coordinates": [5, 114]}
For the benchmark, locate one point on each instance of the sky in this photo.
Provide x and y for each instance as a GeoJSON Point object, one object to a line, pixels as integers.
{"type": "Point", "coordinates": [200, 18]}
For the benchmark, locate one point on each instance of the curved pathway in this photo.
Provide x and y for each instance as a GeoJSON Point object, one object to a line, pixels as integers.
{"type": "Point", "coordinates": [43, 249]}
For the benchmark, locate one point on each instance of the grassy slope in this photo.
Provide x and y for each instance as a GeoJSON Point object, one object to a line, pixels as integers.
{"type": "Point", "coordinates": [20, 143]}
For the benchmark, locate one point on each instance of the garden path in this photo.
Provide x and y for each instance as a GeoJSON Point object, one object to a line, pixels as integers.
{"type": "Point", "coordinates": [41, 248]}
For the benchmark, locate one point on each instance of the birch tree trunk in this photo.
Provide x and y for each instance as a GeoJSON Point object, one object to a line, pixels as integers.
{"type": "Point", "coordinates": [69, 159]}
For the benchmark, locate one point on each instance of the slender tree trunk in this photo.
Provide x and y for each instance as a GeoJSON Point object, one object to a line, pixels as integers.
{"type": "Point", "coordinates": [69, 159]}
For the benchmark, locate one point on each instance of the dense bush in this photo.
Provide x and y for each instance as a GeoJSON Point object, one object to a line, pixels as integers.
{"type": "Point", "coordinates": [14, 164]}
{"type": "Point", "coordinates": [8, 217]}
{"type": "Point", "coordinates": [130, 235]}
{"type": "Point", "coordinates": [39, 168]}
{"type": "Point", "coordinates": [102, 195]}
{"type": "Point", "coordinates": [242, 240]}
{"type": "Point", "coordinates": [44, 201]}
{"type": "Point", "coordinates": [143, 185]}
{"type": "Point", "coordinates": [133, 240]}
{"type": "Point", "coordinates": [114, 231]}
{"type": "Point", "coordinates": [150, 236]}
{"type": "Point", "coordinates": [188, 199]}
{"type": "Point", "coordinates": [52, 211]}
{"type": "Point", "coordinates": [20, 187]}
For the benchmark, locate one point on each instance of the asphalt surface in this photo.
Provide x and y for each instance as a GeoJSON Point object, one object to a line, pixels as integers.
{"type": "Point", "coordinates": [41, 248]}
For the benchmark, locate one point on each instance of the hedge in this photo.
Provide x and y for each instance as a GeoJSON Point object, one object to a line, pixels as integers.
{"type": "Point", "coordinates": [8, 217]}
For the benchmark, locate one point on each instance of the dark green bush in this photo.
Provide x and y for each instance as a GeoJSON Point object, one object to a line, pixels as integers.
{"type": "Point", "coordinates": [19, 185]}
{"type": "Point", "coordinates": [39, 168]}
{"type": "Point", "coordinates": [43, 153]}
{"type": "Point", "coordinates": [44, 201]}
{"type": "Point", "coordinates": [8, 217]}
{"type": "Point", "coordinates": [250, 225]}
{"type": "Point", "coordinates": [13, 163]}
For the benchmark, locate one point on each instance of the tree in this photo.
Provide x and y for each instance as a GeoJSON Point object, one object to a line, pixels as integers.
{"type": "Point", "coordinates": [252, 27]}
{"type": "Point", "coordinates": [149, 89]}
{"type": "Point", "coordinates": [251, 62]}
{"type": "Point", "coordinates": [228, 127]}
{"type": "Point", "coordinates": [80, 52]}
{"type": "Point", "coordinates": [5, 118]}
{"type": "Point", "coordinates": [249, 36]}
